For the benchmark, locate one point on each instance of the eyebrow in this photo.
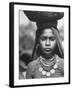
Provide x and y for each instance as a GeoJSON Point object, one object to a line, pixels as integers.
{"type": "Point", "coordinates": [47, 36]}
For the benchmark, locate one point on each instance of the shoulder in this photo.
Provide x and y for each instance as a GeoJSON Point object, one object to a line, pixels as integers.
{"type": "Point", "coordinates": [34, 62]}
{"type": "Point", "coordinates": [60, 63]}
{"type": "Point", "coordinates": [32, 65]}
{"type": "Point", "coordinates": [61, 60]}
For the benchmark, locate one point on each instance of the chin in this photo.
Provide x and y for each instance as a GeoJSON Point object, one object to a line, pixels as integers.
{"type": "Point", "coordinates": [47, 53]}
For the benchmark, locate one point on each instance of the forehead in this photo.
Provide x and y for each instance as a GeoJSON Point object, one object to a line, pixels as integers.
{"type": "Point", "coordinates": [47, 32]}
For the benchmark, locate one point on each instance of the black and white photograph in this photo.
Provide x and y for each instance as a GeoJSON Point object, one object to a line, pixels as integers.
{"type": "Point", "coordinates": [40, 44]}
{"type": "Point", "coordinates": [41, 48]}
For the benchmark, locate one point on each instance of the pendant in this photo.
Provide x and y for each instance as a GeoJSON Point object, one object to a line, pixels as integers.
{"type": "Point", "coordinates": [43, 72]}
{"type": "Point", "coordinates": [40, 69]}
{"type": "Point", "coordinates": [55, 66]}
{"type": "Point", "coordinates": [48, 74]}
{"type": "Point", "coordinates": [57, 60]}
{"type": "Point", "coordinates": [52, 71]}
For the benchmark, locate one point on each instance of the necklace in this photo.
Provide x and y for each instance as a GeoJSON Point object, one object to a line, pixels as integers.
{"type": "Point", "coordinates": [47, 63]}
{"type": "Point", "coordinates": [47, 73]}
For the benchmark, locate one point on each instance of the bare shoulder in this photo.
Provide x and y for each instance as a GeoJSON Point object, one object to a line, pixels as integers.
{"type": "Point", "coordinates": [61, 63]}
{"type": "Point", "coordinates": [32, 65]}
{"type": "Point", "coordinates": [61, 60]}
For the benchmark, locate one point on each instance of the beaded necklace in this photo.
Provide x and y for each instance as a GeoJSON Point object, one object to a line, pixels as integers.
{"type": "Point", "coordinates": [51, 71]}
{"type": "Point", "coordinates": [47, 63]}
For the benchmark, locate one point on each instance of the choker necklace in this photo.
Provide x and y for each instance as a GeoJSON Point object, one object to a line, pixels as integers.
{"type": "Point", "coordinates": [46, 62]}
{"type": "Point", "coordinates": [48, 73]}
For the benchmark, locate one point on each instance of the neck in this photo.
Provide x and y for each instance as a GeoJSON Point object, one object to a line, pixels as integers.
{"type": "Point", "coordinates": [47, 56]}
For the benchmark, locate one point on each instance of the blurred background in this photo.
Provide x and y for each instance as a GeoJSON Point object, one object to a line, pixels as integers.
{"type": "Point", "coordinates": [27, 31]}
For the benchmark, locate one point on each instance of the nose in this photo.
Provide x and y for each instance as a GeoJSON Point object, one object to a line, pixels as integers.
{"type": "Point", "coordinates": [47, 42]}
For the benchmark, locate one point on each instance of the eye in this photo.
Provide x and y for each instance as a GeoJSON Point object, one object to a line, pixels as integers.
{"type": "Point", "coordinates": [52, 38]}
{"type": "Point", "coordinates": [43, 38]}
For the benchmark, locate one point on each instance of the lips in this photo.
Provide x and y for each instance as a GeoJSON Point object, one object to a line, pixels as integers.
{"type": "Point", "coordinates": [48, 49]}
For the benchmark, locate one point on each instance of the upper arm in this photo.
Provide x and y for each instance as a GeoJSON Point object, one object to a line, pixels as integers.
{"type": "Point", "coordinates": [31, 69]}
{"type": "Point", "coordinates": [61, 65]}
{"type": "Point", "coordinates": [29, 72]}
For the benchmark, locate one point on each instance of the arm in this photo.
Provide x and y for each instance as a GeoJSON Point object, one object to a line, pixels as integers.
{"type": "Point", "coordinates": [61, 65]}
{"type": "Point", "coordinates": [29, 72]}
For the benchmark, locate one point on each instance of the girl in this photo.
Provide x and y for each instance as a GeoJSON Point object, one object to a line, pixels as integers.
{"type": "Point", "coordinates": [47, 51]}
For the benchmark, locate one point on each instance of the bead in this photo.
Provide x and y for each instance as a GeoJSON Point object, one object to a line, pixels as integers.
{"type": "Point", "coordinates": [52, 71]}
{"type": "Point", "coordinates": [43, 72]}
{"type": "Point", "coordinates": [57, 60]}
{"type": "Point", "coordinates": [40, 69]}
{"type": "Point", "coordinates": [55, 66]}
{"type": "Point", "coordinates": [48, 74]}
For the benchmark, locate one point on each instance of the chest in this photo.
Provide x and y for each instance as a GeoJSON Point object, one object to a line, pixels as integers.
{"type": "Point", "coordinates": [44, 74]}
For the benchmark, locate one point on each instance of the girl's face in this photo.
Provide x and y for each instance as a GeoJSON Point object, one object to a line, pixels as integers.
{"type": "Point", "coordinates": [47, 41]}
